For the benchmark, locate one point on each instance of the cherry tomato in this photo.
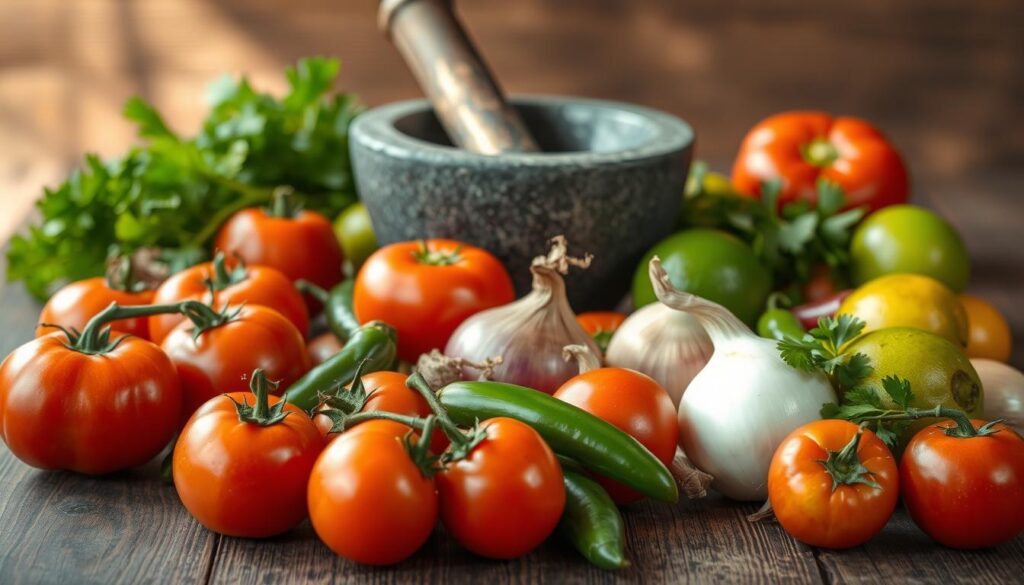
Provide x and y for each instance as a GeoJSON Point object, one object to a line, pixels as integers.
{"type": "Point", "coordinates": [829, 487]}
{"type": "Point", "coordinates": [601, 325]}
{"type": "Point", "coordinates": [243, 472]}
{"type": "Point", "coordinates": [300, 244]}
{"type": "Point", "coordinates": [322, 347]}
{"type": "Point", "coordinates": [799, 148]}
{"type": "Point", "coordinates": [76, 303]}
{"type": "Point", "coordinates": [93, 413]}
{"type": "Point", "coordinates": [965, 492]}
{"type": "Point", "coordinates": [426, 289]}
{"type": "Point", "coordinates": [219, 359]}
{"type": "Point", "coordinates": [259, 285]}
{"type": "Point", "coordinates": [507, 496]}
{"type": "Point", "coordinates": [988, 333]}
{"type": "Point", "coordinates": [634, 403]}
{"type": "Point", "coordinates": [368, 500]}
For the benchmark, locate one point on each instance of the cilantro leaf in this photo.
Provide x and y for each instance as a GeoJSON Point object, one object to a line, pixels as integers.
{"type": "Point", "coordinates": [855, 369]}
{"type": "Point", "coordinates": [898, 390]}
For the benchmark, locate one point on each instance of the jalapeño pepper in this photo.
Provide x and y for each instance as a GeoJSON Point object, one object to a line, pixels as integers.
{"type": "Point", "coordinates": [372, 345]}
{"type": "Point", "coordinates": [596, 444]}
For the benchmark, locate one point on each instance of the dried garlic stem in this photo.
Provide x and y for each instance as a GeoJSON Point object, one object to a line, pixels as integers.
{"type": "Point", "coordinates": [440, 370]}
{"type": "Point", "coordinates": [585, 358]}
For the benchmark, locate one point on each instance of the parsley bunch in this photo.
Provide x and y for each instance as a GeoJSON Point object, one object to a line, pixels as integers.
{"type": "Point", "coordinates": [790, 240]}
{"type": "Point", "coordinates": [173, 192]}
{"type": "Point", "coordinates": [826, 349]}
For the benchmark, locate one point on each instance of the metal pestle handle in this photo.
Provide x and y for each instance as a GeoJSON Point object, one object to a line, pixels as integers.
{"type": "Point", "coordinates": [466, 97]}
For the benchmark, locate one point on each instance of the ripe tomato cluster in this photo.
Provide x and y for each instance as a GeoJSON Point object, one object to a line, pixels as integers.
{"type": "Point", "coordinates": [834, 484]}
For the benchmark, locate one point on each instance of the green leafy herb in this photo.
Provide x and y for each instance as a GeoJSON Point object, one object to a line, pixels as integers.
{"type": "Point", "coordinates": [824, 348]}
{"type": "Point", "coordinates": [865, 404]}
{"type": "Point", "coordinates": [173, 192]}
{"type": "Point", "coordinates": [791, 239]}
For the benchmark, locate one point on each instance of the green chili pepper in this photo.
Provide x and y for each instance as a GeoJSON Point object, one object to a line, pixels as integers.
{"type": "Point", "coordinates": [341, 317]}
{"type": "Point", "coordinates": [594, 443]}
{"type": "Point", "coordinates": [778, 323]}
{"type": "Point", "coordinates": [592, 522]}
{"type": "Point", "coordinates": [373, 345]}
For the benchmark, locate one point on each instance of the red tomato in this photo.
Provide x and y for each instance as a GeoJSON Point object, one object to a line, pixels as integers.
{"type": "Point", "coordinates": [242, 477]}
{"type": "Point", "coordinates": [507, 496]}
{"type": "Point", "coordinates": [965, 492]}
{"type": "Point", "coordinates": [76, 303]}
{"type": "Point", "coordinates": [368, 501]}
{"type": "Point", "coordinates": [828, 505]}
{"type": "Point", "coordinates": [636, 405]}
{"type": "Point", "coordinates": [222, 357]}
{"type": "Point", "coordinates": [798, 148]}
{"type": "Point", "coordinates": [93, 413]}
{"type": "Point", "coordinates": [425, 290]}
{"type": "Point", "coordinates": [323, 346]}
{"type": "Point", "coordinates": [299, 244]}
{"type": "Point", "coordinates": [601, 325]}
{"type": "Point", "coordinates": [259, 285]}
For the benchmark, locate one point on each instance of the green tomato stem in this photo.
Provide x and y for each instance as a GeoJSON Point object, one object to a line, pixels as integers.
{"type": "Point", "coordinates": [964, 428]}
{"type": "Point", "coordinates": [419, 384]}
{"type": "Point", "coordinates": [820, 152]}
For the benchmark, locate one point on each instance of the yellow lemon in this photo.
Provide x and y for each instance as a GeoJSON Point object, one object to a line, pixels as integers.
{"type": "Point", "coordinates": [909, 300]}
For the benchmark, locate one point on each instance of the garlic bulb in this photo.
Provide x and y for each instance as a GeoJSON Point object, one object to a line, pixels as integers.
{"type": "Point", "coordinates": [529, 333]}
{"type": "Point", "coordinates": [667, 345]}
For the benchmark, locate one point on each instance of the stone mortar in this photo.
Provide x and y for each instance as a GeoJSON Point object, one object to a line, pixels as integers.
{"type": "Point", "coordinates": [610, 179]}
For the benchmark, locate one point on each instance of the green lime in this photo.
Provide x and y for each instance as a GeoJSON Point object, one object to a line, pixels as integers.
{"type": "Point", "coordinates": [938, 371]}
{"type": "Point", "coordinates": [711, 264]}
{"type": "Point", "coordinates": [355, 234]}
{"type": "Point", "coordinates": [905, 238]}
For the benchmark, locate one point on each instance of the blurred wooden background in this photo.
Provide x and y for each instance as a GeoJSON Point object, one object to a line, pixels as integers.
{"type": "Point", "coordinates": [945, 78]}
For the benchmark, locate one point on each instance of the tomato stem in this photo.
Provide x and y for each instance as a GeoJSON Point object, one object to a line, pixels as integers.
{"type": "Point", "coordinates": [819, 152]}
{"type": "Point", "coordinates": [283, 204]}
{"type": "Point", "coordinates": [222, 277]}
{"type": "Point", "coordinates": [260, 412]}
{"type": "Point", "coordinates": [95, 337]}
{"type": "Point", "coordinates": [455, 435]}
{"type": "Point", "coordinates": [424, 255]}
{"type": "Point", "coordinates": [964, 429]}
{"type": "Point", "coordinates": [845, 466]}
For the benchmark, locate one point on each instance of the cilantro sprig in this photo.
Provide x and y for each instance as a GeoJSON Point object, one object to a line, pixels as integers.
{"type": "Point", "coordinates": [790, 239]}
{"type": "Point", "coordinates": [826, 349]}
{"type": "Point", "coordinates": [172, 192]}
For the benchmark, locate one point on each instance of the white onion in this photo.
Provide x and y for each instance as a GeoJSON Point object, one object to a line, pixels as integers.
{"type": "Point", "coordinates": [1004, 392]}
{"type": "Point", "coordinates": [744, 402]}
{"type": "Point", "coordinates": [529, 333]}
{"type": "Point", "coordinates": [667, 345]}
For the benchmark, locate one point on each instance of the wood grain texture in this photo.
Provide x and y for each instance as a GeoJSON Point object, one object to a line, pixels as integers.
{"type": "Point", "coordinates": [942, 77]}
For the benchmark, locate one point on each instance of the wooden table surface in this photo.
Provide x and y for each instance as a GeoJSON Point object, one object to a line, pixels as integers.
{"type": "Point", "coordinates": [58, 527]}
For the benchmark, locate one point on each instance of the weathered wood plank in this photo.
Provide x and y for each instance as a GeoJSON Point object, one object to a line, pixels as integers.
{"type": "Point", "coordinates": [62, 528]}
{"type": "Point", "coordinates": [694, 542]}
{"type": "Point", "coordinates": [904, 554]}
